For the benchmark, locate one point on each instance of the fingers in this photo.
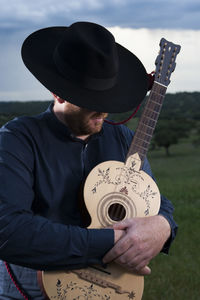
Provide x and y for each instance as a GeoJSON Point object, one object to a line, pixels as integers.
{"type": "Point", "coordinates": [119, 248]}
{"type": "Point", "coordinates": [130, 256]}
{"type": "Point", "coordinates": [144, 271]}
{"type": "Point", "coordinates": [139, 243]}
{"type": "Point", "coordinates": [128, 246]}
{"type": "Point", "coordinates": [134, 260]}
{"type": "Point", "coordinates": [137, 265]}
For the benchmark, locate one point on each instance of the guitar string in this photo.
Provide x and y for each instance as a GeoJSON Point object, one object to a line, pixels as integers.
{"type": "Point", "coordinates": [118, 210]}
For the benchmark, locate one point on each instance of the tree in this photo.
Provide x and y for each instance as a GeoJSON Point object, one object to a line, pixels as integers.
{"type": "Point", "coordinates": [196, 140]}
{"type": "Point", "coordinates": [168, 132]}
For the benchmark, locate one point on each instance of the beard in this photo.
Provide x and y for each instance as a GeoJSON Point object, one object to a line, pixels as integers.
{"type": "Point", "coordinates": [84, 122]}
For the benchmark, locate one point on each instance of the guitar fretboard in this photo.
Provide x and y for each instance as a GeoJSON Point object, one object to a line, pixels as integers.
{"type": "Point", "coordinates": [147, 122]}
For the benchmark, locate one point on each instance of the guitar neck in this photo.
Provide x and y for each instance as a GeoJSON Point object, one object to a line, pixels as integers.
{"type": "Point", "coordinates": [147, 122]}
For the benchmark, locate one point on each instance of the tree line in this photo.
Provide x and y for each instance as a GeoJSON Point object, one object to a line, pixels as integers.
{"type": "Point", "coordinates": [179, 117]}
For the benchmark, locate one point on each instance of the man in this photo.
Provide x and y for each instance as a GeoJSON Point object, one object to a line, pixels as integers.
{"type": "Point", "coordinates": [45, 159]}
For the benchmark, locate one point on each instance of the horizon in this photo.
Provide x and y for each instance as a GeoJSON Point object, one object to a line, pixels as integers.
{"type": "Point", "coordinates": [48, 100]}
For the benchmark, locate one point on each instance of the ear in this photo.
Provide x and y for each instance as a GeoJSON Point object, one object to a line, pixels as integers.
{"type": "Point", "coordinates": [57, 98]}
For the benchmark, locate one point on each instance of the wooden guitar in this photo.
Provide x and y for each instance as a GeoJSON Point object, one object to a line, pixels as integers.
{"type": "Point", "coordinates": [114, 191]}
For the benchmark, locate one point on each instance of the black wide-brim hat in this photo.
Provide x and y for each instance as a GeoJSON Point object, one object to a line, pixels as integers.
{"type": "Point", "coordinates": [83, 65]}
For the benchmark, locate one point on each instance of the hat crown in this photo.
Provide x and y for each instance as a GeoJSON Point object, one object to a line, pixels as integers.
{"type": "Point", "coordinates": [83, 64]}
{"type": "Point", "coordinates": [87, 52]}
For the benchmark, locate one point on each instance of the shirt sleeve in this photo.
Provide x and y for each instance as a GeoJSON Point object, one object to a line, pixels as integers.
{"type": "Point", "coordinates": [31, 240]}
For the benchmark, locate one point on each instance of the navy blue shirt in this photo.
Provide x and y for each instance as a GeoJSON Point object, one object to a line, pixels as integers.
{"type": "Point", "coordinates": [42, 166]}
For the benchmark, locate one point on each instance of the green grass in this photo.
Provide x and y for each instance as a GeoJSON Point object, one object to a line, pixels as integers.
{"type": "Point", "coordinates": [177, 276]}
{"type": "Point", "coordinates": [178, 175]}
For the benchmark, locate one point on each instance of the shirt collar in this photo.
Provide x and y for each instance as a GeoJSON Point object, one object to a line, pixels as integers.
{"type": "Point", "coordinates": [63, 130]}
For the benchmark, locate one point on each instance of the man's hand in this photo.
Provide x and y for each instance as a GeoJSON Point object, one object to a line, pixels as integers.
{"type": "Point", "coordinates": [137, 241]}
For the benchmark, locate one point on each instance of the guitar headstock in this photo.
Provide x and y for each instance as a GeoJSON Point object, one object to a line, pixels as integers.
{"type": "Point", "coordinates": [165, 62]}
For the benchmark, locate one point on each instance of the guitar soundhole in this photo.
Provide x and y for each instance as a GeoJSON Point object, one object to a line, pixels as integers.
{"type": "Point", "coordinates": [117, 212]}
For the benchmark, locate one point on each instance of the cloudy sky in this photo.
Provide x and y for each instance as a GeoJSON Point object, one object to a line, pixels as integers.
{"type": "Point", "coordinates": [136, 24]}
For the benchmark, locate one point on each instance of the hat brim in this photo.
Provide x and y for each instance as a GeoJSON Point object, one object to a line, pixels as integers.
{"type": "Point", "coordinates": [128, 93]}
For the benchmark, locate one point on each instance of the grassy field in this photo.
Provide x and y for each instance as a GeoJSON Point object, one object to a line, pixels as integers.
{"type": "Point", "coordinates": [177, 276]}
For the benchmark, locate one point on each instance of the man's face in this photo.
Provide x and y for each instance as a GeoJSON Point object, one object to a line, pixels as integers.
{"type": "Point", "coordinates": [81, 120]}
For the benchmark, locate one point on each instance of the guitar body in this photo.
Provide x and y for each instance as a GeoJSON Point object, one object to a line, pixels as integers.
{"type": "Point", "coordinates": [113, 185]}
{"type": "Point", "coordinates": [113, 191]}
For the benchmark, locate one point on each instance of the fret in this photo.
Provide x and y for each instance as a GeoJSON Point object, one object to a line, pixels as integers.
{"type": "Point", "coordinates": [157, 94]}
{"type": "Point", "coordinates": [147, 130]}
{"type": "Point", "coordinates": [154, 105]}
{"type": "Point", "coordinates": [141, 155]}
{"type": "Point", "coordinates": [141, 133]}
{"type": "Point", "coordinates": [150, 110]}
{"type": "Point", "coordinates": [157, 99]}
{"type": "Point", "coordinates": [139, 146]}
{"type": "Point", "coordinates": [153, 115]}
{"type": "Point", "coordinates": [141, 142]}
{"type": "Point", "coordinates": [149, 123]}
{"type": "Point", "coordinates": [140, 150]}
{"type": "Point", "coordinates": [149, 117]}
{"type": "Point", "coordinates": [143, 136]}
{"type": "Point", "coordinates": [157, 88]}
{"type": "Point", "coordinates": [161, 87]}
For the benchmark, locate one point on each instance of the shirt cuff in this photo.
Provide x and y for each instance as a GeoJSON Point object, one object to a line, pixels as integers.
{"type": "Point", "coordinates": [100, 242]}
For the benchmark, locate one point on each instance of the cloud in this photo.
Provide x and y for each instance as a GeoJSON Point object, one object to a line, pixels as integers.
{"type": "Point", "coordinates": [124, 13]}
{"type": "Point", "coordinates": [145, 44]}
{"type": "Point", "coordinates": [17, 82]}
